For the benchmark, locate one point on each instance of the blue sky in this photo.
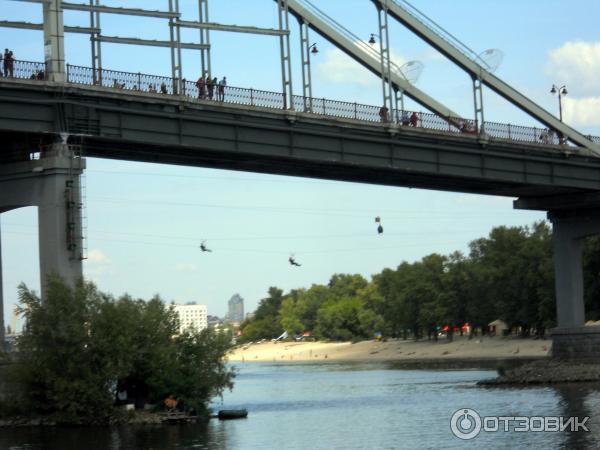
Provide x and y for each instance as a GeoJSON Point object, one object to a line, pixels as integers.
{"type": "Point", "coordinates": [145, 221]}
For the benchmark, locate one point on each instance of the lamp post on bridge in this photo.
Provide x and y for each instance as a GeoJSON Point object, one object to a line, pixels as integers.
{"type": "Point", "coordinates": [560, 91]}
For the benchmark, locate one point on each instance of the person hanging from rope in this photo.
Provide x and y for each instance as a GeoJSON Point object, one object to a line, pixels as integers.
{"type": "Point", "coordinates": [379, 227]}
{"type": "Point", "coordinates": [293, 261]}
{"type": "Point", "coordinates": [204, 248]}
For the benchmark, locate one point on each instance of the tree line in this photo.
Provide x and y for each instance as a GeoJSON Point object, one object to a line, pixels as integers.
{"type": "Point", "coordinates": [508, 275]}
{"type": "Point", "coordinates": [82, 353]}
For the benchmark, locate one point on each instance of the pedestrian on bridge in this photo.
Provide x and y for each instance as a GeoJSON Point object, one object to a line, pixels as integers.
{"type": "Point", "coordinates": [414, 119]}
{"type": "Point", "coordinates": [384, 114]}
{"type": "Point", "coordinates": [8, 63]}
{"type": "Point", "coordinates": [405, 120]}
{"type": "Point", "coordinates": [210, 85]}
{"type": "Point", "coordinates": [222, 85]}
{"type": "Point", "coordinates": [201, 85]}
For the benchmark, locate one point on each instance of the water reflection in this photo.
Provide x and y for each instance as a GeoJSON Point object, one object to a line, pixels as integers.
{"type": "Point", "coordinates": [581, 400]}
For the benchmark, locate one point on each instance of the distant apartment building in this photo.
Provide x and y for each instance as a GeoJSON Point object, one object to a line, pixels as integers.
{"type": "Point", "coordinates": [235, 311]}
{"type": "Point", "coordinates": [192, 316]}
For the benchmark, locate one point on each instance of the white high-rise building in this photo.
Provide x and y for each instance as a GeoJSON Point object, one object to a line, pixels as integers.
{"type": "Point", "coordinates": [192, 316]}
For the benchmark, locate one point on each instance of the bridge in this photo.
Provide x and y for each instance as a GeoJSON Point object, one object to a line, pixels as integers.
{"type": "Point", "coordinates": [53, 115]}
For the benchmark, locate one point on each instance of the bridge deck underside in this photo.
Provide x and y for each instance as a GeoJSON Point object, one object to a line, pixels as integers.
{"type": "Point", "coordinates": [140, 127]}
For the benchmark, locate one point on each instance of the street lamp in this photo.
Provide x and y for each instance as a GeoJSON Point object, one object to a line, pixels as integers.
{"type": "Point", "coordinates": [372, 39]}
{"type": "Point", "coordinates": [313, 49]}
{"type": "Point", "coordinates": [560, 91]}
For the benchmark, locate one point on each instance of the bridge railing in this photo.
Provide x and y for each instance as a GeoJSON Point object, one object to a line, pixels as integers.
{"type": "Point", "coordinates": [259, 98]}
{"type": "Point", "coordinates": [118, 80]}
{"type": "Point", "coordinates": [26, 69]}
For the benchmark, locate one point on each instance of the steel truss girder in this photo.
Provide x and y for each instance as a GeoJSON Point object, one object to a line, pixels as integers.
{"type": "Point", "coordinates": [468, 64]}
{"type": "Point", "coordinates": [344, 43]}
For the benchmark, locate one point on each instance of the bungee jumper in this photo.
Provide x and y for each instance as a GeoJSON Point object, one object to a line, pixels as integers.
{"type": "Point", "coordinates": [293, 261]}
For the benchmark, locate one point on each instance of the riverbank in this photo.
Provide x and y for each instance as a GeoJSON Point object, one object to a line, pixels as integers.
{"type": "Point", "coordinates": [461, 348]}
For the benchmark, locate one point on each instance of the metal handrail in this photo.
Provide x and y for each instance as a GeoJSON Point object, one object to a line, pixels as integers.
{"type": "Point", "coordinates": [160, 85]}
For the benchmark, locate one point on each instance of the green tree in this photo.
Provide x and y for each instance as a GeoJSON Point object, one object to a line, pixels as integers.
{"type": "Point", "coordinates": [79, 346]}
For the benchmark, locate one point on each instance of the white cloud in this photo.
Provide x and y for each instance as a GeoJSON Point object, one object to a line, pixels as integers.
{"type": "Point", "coordinates": [96, 256]}
{"type": "Point", "coordinates": [97, 264]}
{"type": "Point", "coordinates": [582, 111]}
{"type": "Point", "coordinates": [577, 64]}
{"type": "Point", "coordinates": [338, 67]}
{"type": "Point", "coordinates": [185, 267]}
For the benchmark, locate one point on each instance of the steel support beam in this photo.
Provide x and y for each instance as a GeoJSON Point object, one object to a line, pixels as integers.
{"type": "Point", "coordinates": [119, 10]}
{"type": "Point", "coordinates": [305, 48]}
{"type": "Point", "coordinates": [232, 28]}
{"type": "Point", "coordinates": [386, 62]}
{"type": "Point", "coordinates": [147, 42]}
{"type": "Point", "coordinates": [285, 53]}
{"type": "Point", "coordinates": [40, 27]}
{"type": "Point", "coordinates": [54, 46]}
{"type": "Point", "coordinates": [96, 44]}
{"type": "Point", "coordinates": [205, 62]}
{"type": "Point", "coordinates": [108, 9]}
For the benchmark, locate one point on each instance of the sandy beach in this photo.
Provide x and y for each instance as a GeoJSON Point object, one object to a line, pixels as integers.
{"type": "Point", "coordinates": [395, 350]}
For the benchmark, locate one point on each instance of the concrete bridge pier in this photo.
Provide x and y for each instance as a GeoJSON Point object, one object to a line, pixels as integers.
{"type": "Point", "coordinates": [571, 339]}
{"type": "Point", "coordinates": [52, 183]}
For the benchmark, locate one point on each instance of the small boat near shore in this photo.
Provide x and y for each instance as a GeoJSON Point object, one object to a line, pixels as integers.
{"type": "Point", "coordinates": [229, 414]}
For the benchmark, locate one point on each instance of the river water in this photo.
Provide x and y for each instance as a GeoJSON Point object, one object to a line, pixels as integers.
{"type": "Point", "coordinates": [346, 406]}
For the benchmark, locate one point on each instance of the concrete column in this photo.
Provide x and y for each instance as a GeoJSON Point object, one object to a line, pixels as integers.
{"type": "Point", "coordinates": [52, 184]}
{"type": "Point", "coordinates": [569, 230]}
{"type": "Point", "coordinates": [54, 47]}
{"type": "Point", "coordinates": [568, 272]}
{"type": "Point", "coordinates": [59, 233]}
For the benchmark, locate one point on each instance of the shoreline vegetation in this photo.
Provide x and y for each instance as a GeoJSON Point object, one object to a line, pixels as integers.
{"type": "Point", "coordinates": [87, 358]}
{"type": "Point", "coordinates": [503, 286]}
